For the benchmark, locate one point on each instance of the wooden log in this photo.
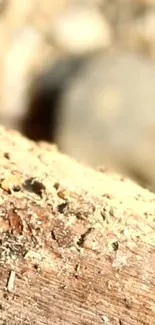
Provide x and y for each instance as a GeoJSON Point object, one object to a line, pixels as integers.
{"type": "Point", "coordinates": [77, 246]}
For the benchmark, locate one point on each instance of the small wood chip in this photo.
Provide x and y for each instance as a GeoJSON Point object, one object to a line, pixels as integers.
{"type": "Point", "coordinates": [11, 281]}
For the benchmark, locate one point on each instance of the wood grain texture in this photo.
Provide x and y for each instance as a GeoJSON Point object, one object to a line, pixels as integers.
{"type": "Point", "coordinates": [77, 246]}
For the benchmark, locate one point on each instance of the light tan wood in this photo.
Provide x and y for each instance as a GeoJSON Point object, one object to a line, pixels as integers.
{"type": "Point", "coordinates": [81, 251]}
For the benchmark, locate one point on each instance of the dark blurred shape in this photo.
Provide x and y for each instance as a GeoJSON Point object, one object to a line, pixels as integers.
{"type": "Point", "coordinates": [42, 118]}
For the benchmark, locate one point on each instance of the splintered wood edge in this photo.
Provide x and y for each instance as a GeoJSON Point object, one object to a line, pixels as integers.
{"type": "Point", "coordinates": [77, 245]}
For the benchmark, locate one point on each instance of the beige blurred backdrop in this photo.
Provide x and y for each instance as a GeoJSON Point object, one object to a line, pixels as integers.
{"type": "Point", "coordinates": [82, 74]}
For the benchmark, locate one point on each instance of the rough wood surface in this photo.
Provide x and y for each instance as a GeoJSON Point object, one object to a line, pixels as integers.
{"type": "Point", "coordinates": [77, 246]}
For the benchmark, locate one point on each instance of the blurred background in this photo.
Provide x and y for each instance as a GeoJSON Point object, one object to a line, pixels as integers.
{"type": "Point", "coordinates": [81, 74]}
